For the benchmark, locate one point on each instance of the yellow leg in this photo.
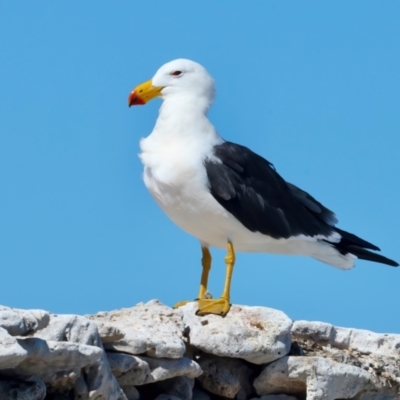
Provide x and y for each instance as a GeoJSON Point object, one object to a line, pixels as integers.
{"type": "Point", "coordinates": [206, 263]}
{"type": "Point", "coordinates": [220, 306]}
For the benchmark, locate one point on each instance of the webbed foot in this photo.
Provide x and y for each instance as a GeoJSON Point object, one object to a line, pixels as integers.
{"type": "Point", "coordinates": [219, 306]}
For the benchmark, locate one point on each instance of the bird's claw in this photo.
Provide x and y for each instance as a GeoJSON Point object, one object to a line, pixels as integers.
{"type": "Point", "coordinates": [219, 306]}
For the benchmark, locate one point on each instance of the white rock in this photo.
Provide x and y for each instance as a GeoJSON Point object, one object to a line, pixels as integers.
{"type": "Point", "coordinates": [80, 340]}
{"type": "Point", "coordinates": [121, 363]}
{"type": "Point", "coordinates": [321, 378]}
{"type": "Point", "coordinates": [70, 328]}
{"type": "Point", "coordinates": [364, 341]}
{"type": "Point", "coordinates": [129, 370]}
{"type": "Point", "coordinates": [11, 353]}
{"type": "Point", "coordinates": [12, 322]}
{"type": "Point", "coordinates": [150, 328]}
{"type": "Point", "coordinates": [49, 357]}
{"type": "Point", "coordinates": [22, 322]}
{"type": "Point", "coordinates": [135, 370]}
{"type": "Point", "coordinates": [226, 377]}
{"type": "Point", "coordinates": [19, 389]}
{"type": "Point", "coordinates": [66, 352]}
{"type": "Point", "coordinates": [109, 334]}
{"type": "Point", "coordinates": [162, 369]}
{"type": "Point", "coordinates": [256, 334]}
{"type": "Point", "coordinates": [42, 317]}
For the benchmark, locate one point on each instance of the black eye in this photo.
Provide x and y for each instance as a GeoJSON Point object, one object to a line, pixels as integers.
{"type": "Point", "coordinates": [176, 73]}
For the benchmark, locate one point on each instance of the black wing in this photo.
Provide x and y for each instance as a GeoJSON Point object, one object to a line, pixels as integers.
{"type": "Point", "coordinates": [248, 187]}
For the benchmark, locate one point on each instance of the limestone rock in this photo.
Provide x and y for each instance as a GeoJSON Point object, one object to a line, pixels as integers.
{"type": "Point", "coordinates": [256, 334]}
{"type": "Point", "coordinates": [70, 328]}
{"type": "Point", "coordinates": [157, 351]}
{"type": "Point", "coordinates": [98, 379]}
{"type": "Point", "coordinates": [162, 369]}
{"type": "Point", "coordinates": [320, 378]}
{"type": "Point", "coordinates": [226, 377]}
{"type": "Point", "coordinates": [135, 370]}
{"type": "Point", "coordinates": [76, 341]}
{"type": "Point", "coordinates": [109, 334]}
{"type": "Point", "coordinates": [377, 354]}
{"type": "Point", "coordinates": [150, 328]}
{"type": "Point", "coordinates": [49, 357]}
{"type": "Point", "coordinates": [19, 389]}
{"type": "Point", "coordinates": [22, 322]}
{"type": "Point", "coordinates": [129, 370]}
{"type": "Point", "coordinates": [11, 353]}
{"type": "Point", "coordinates": [363, 341]}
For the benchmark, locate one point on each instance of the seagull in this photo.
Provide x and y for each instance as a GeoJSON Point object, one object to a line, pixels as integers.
{"type": "Point", "coordinates": [226, 195]}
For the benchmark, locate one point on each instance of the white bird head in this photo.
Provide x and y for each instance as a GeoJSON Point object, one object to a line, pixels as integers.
{"type": "Point", "coordinates": [181, 77]}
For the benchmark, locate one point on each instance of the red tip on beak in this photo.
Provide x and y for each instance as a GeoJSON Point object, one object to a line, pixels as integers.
{"type": "Point", "coordinates": [135, 100]}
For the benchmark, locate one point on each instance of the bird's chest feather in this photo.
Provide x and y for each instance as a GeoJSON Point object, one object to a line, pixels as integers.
{"type": "Point", "coordinates": [173, 176]}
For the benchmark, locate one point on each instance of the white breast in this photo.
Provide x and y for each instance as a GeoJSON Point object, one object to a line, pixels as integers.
{"type": "Point", "coordinates": [176, 177]}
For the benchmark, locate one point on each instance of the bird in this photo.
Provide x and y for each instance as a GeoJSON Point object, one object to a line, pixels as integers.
{"type": "Point", "coordinates": [226, 195]}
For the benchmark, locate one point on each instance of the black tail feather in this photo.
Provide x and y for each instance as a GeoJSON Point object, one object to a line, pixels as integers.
{"type": "Point", "coordinates": [349, 239]}
{"type": "Point", "coordinates": [364, 254]}
{"type": "Point", "coordinates": [352, 244]}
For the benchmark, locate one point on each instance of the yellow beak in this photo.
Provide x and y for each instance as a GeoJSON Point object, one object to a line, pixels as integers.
{"type": "Point", "coordinates": [144, 93]}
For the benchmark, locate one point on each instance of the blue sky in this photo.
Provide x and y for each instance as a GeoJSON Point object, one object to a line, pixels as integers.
{"type": "Point", "coordinates": [314, 87]}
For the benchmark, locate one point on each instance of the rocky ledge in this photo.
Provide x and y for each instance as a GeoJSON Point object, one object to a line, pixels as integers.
{"type": "Point", "coordinates": [152, 351]}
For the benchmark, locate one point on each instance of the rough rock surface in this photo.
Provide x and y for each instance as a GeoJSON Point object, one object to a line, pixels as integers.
{"type": "Point", "coordinates": [135, 370]}
{"type": "Point", "coordinates": [151, 351]}
{"type": "Point", "coordinates": [11, 353]}
{"type": "Point", "coordinates": [151, 328]}
{"type": "Point", "coordinates": [226, 377]}
{"type": "Point", "coordinates": [360, 340]}
{"type": "Point", "coordinates": [320, 378]}
{"type": "Point", "coordinates": [255, 334]}
{"type": "Point", "coordinates": [21, 322]}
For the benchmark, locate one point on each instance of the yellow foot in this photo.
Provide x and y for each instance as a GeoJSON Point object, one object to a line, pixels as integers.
{"type": "Point", "coordinates": [213, 306]}
{"type": "Point", "coordinates": [182, 303]}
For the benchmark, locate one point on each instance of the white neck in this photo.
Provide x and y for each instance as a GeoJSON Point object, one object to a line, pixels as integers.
{"type": "Point", "coordinates": [182, 116]}
{"type": "Point", "coordinates": [183, 136]}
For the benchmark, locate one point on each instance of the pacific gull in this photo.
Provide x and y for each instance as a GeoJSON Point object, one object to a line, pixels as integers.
{"type": "Point", "coordinates": [225, 194]}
